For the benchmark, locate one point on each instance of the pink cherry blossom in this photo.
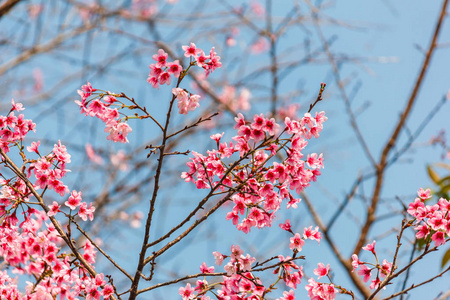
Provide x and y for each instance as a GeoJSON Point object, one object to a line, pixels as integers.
{"type": "Point", "coordinates": [424, 194]}
{"type": "Point", "coordinates": [297, 242]}
{"type": "Point", "coordinates": [74, 200]}
{"type": "Point", "coordinates": [219, 258]}
{"type": "Point", "coordinates": [34, 147]}
{"type": "Point", "coordinates": [286, 225]}
{"type": "Point", "coordinates": [216, 137]}
{"type": "Point", "coordinates": [236, 252]}
{"type": "Point", "coordinates": [364, 271]}
{"type": "Point", "coordinates": [160, 58]}
{"type": "Point", "coordinates": [370, 247]}
{"type": "Point", "coordinates": [312, 234]}
{"type": "Point", "coordinates": [259, 46]}
{"type": "Point", "coordinates": [375, 283]}
{"type": "Point", "coordinates": [85, 211]}
{"type": "Point", "coordinates": [288, 295]}
{"type": "Point", "coordinates": [385, 268]}
{"type": "Point", "coordinates": [438, 238]}
{"type": "Point", "coordinates": [205, 269]}
{"type": "Point", "coordinates": [174, 68]}
{"type": "Point", "coordinates": [187, 292]}
{"type": "Point", "coordinates": [88, 89]}
{"type": "Point", "coordinates": [17, 106]}
{"type": "Point", "coordinates": [118, 132]}
{"type": "Point", "coordinates": [119, 160]}
{"type": "Point", "coordinates": [191, 50]}
{"type": "Point", "coordinates": [355, 262]}
{"type": "Point", "coordinates": [94, 157]}
{"type": "Point", "coordinates": [54, 209]}
{"type": "Point", "coordinates": [321, 270]}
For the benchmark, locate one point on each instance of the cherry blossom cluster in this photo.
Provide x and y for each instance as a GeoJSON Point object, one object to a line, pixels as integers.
{"type": "Point", "coordinates": [298, 241]}
{"type": "Point", "coordinates": [235, 102]}
{"type": "Point", "coordinates": [316, 290]}
{"type": "Point", "coordinates": [31, 250]}
{"type": "Point", "coordinates": [186, 101]}
{"type": "Point", "coordinates": [366, 268]}
{"type": "Point", "coordinates": [30, 244]}
{"type": "Point", "coordinates": [261, 187]}
{"type": "Point", "coordinates": [162, 70]}
{"type": "Point", "coordinates": [13, 129]}
{"type": "Point", "coordinates": [48, 171]}
{"type": "Point", "coordinates": [198, 57]}
{"type": "Point", "coordinates": [290, 111]}
{"type": "Point", "coordinates": [100, 106]}
{"type": "Point", "coordinates": [240, 282]}
{"type": "Point", "coordinates": [431, 220]}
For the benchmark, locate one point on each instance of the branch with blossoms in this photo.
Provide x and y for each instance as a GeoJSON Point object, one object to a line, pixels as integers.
{"type": "Point", "coordinates": [248, 182]}
{"type": "Point", "coordinates": [208, 271]}
{"type": "Point", "coordinates": [432, 224]}
{"type": "Point", "coordinates": [37, 252]}
{"type": "Point", "coordinates": [48, 171]}
{"type": "Point", "coordinates": [260, 168]}
{"type": "Point", "coordinates": [241, 171]}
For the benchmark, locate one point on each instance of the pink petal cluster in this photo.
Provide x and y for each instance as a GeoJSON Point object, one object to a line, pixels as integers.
{"type": "Point", "coordinates": [32, 249]}
{"type": "Point", "coordinates": [321, 270]}
{"type": "Point", "coordinates": [290, 111]}
{"type": "Point", "coordinates": [431, 220]}
{"type": "Point", "coordinates": [322, 291]}
{"type": "Point", "coordinates": [119, 160]}
{"type": "Point", "coordinates": [14, 128]}
{"type": "Point", "coordinates": [161, 71]}
{"type": "Point", "coordinates": [236, 283]}
{"type": "Point", "coordinates": [239, 283]}
{"type": "Point", "coordinates": [236, 102]}
{"type": "Point", "coordinates": [312, 234]}
{"type": "Point", "coordinates": [296, 243]}
{"type": "Point", "coordinates": [50, 169]}
{"type": "Point", "coordinates": [365, 269]}
{"type": "Point", "coordinates": [286, 226]}
{"type": "Point", "coordinates": [208, 62]}
{"type": "Point", "coordinates": [291, 273]}
{"type": "Point", "coordinates": [92, 156]}
{"type": "Point", "coordinates": [288, 295]}
{"type": "Point", "coordinates": [85, 211]}
{"type": "Point", "coordinates": [30, 245]}
{"type": "Point", "coordinates": [95, 107]}
{"type": "Point", "coordinates": [186, 101]}
{"type": "Point", "coordinates": [260, 186]}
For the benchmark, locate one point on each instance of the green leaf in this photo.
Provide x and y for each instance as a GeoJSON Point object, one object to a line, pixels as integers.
{"type": "Point", "coordinates": [445, 188]}
{"type": "Point", "coordinates": [442, 165]}
{"type": "Point", "coordinates": [444, 180]}
{"type": "Point", "coordinates": [433, 175]}
{"type": "Point", "coordinates": [445, 258]}
{"type": "Point", "coordinates": [420, 243]}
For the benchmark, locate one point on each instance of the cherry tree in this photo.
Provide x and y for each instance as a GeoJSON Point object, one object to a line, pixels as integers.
{"type": "Point", "coordinates": [91, 210]}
